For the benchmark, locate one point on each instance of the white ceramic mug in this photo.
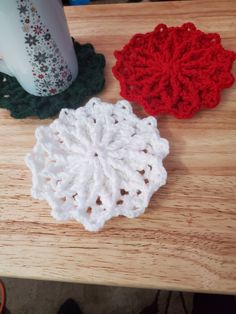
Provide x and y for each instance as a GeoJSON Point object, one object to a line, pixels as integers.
{"type": "Point", "coordinates": [36, 47]}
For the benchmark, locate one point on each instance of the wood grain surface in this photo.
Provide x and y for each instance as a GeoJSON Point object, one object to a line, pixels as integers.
{"type": "Point", "coordinates": [186, 240]}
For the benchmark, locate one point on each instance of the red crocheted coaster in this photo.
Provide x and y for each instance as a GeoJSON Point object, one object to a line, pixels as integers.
{"type": "Point", "coordinates": [174, 70]}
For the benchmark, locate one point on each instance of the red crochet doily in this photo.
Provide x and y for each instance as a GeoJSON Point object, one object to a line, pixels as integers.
{"type": "Point", "coordinates": [174, 70]}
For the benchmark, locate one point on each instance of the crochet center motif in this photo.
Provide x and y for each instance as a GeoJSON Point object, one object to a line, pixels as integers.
{"type": "Point", "coordinates": [98, 162]}
{"type": "Point", "coordinates": [175, 70]}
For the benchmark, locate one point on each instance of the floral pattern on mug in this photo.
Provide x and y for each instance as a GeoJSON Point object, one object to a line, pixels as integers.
{"type": "Point", "coordinates": [50, 71]}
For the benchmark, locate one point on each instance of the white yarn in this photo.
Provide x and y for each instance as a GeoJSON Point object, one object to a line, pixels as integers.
{"type": "Point", "coordinates": [97, 162]}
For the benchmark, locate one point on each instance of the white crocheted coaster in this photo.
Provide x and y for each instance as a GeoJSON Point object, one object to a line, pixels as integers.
{"type": "Point", "coordinates": [97, 162]}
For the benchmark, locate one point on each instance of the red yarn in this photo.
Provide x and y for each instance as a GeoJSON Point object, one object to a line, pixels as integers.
{"type": "Point", "coordinates": [174, 70]}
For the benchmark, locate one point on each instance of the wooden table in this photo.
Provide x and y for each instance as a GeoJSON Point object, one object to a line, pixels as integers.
{"type": "Point", "coordinates": [186, 240]}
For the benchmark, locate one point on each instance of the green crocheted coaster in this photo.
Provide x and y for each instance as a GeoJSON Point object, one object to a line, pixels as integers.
{"type": "Point", "coordinates": [89, 81]}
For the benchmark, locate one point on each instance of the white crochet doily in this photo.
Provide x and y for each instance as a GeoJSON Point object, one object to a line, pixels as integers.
{"type": "Point", "coordinates": [97, 162]}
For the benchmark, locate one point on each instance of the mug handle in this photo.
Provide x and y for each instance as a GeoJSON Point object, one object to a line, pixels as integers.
{"type": "Point", "coordinates": [4, 68]}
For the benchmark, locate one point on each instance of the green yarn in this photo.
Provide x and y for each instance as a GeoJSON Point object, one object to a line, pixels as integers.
{"type": "Point", "coordinates": [89, 81]}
